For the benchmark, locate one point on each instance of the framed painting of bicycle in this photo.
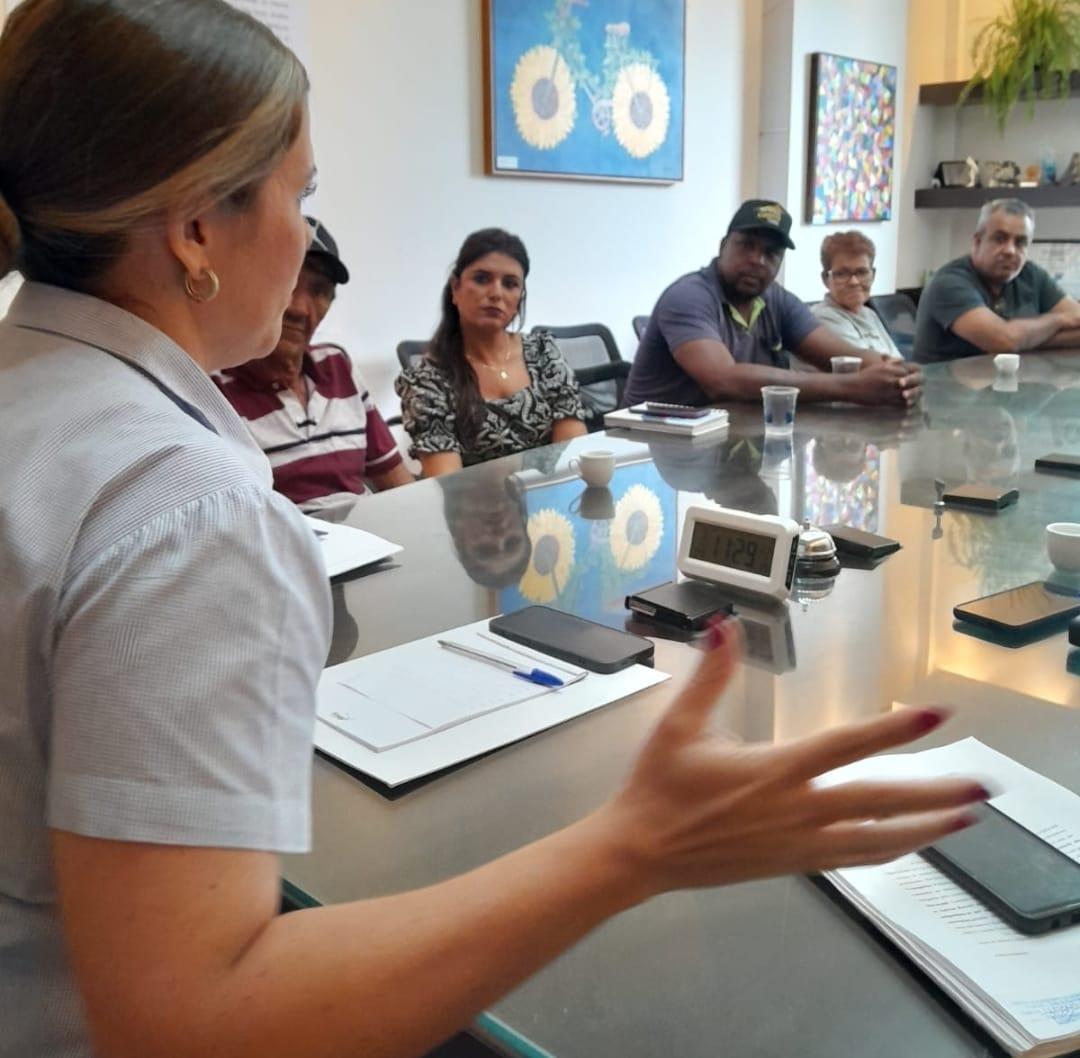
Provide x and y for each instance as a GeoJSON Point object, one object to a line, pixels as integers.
{"type": "Point", "coordinates": [585, 89]}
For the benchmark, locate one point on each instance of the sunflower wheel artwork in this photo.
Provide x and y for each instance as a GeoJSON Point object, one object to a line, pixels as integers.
{"type": "Point", "coordinates": [543, 96]}
{"type": "Point", "coordinates": [552, 560]}
{"type": "Point", "coordinates": [626, 96]}
{"type": "Point", "coordinates": [637, 529]}
{"type": "Point", "coordinates": [641, 110]}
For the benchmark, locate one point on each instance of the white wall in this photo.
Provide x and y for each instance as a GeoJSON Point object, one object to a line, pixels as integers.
{"type": "Point", "coordinates": [875, 30]}
{"type": "Point", "coordinates": [925, 138]}
{"type": "Point", "coordinates": [398, 129]}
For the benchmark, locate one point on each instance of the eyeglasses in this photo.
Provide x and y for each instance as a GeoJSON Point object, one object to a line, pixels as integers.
{"type": "Point", "coordinates": [844, 275]}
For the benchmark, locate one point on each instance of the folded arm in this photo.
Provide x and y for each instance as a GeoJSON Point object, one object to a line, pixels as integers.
{"type": "Point", "coordinates": [990, 333]}
{"type": "Point", "coordinates": [881, 380]}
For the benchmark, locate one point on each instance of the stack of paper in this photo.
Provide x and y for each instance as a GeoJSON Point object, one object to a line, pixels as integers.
{"type": "Point", "coordinates": [345, 548]}
{"type": "Point", "coordinates": [417, 708]}
{"type": "Point", "coordinates": [1024, 990]}
{"type": "Point", "coordinates": [625, 419]}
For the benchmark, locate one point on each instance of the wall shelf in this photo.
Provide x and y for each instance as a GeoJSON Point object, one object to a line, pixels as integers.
{"type": "Point", "coordinates": [947, 93]}
{"type": "Point", "coordinates": [1050, 197]}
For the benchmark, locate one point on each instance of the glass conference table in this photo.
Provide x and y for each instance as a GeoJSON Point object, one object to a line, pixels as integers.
{"type": "Point", "coordinates": [768, 968]}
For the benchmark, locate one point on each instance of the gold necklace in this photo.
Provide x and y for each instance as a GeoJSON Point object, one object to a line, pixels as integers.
{"type": "Point", "coordinates": [501, 370]}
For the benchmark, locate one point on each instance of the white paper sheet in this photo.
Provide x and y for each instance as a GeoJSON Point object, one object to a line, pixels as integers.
{"type": "Point", "coordinates": [345, 548]}
{"type": "Point", "coordinates": [1025, 990]}
{"type": "Point", "coordinates": [386, 747]}
{"type": "Point", "coordinates": [427, 686]}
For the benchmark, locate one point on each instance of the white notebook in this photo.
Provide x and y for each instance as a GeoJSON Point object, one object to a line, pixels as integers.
{"type": "Point", "coordinates": [417, 708]}
{"type": "Point", "coordinates": [1025, 990]}
{"type": "Point", "coordinates": [625, 419]}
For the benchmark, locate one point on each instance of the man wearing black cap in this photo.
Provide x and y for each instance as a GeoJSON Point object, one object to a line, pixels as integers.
{"type": "Point", "coordinates": [307, 406]}
{"type": "Point", "coordinates": [723, 332]}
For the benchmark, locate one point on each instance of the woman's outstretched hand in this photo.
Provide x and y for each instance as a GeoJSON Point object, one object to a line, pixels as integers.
{"type": "Point", "coordinates": [699, 810]}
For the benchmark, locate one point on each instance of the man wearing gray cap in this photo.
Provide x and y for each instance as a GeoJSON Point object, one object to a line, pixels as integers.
{"type": "Point", "coordinates": [723, 332]}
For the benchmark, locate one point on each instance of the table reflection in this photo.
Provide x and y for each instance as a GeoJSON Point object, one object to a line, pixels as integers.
{"type": "Point", "coordinates": [800, 977]}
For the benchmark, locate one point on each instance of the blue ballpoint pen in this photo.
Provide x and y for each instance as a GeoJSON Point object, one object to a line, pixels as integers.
{"type": "Point", "coordinates": [538, 676]}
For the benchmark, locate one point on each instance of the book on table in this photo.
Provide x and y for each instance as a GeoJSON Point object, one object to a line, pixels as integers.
{"type": "Point", "coordinates": [1024, 990]}
{"type": "Point", "coordinates": [628, 419]}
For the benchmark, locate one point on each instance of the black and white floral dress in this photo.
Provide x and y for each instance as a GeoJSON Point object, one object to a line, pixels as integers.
{"type": "Point", "coordinates": [512, 424]}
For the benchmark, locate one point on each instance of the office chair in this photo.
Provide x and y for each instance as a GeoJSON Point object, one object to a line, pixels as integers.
{"type": "Point", "coordinates": [640, 323]}
{"type": "Point", "coordinates": [600, 370]}
{"type": "Point", "coordinates": [897, 312]}
{"type": "Point", "coordinates": [409, 352]}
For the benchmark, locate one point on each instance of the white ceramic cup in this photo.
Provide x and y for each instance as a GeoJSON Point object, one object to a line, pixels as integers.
{"type": "Point", "coordinates": [1063, 545]}
{"type": "Point", "coordinates": [595, 468]}
{"type": "Point", "coordinates": [1007, 363]}
{"type": "Point", "coordinates": [845, 365]}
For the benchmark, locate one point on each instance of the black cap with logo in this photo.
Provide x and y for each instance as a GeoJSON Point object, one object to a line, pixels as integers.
{"type": "Point", "coordinates": [323, 245]}
{"type": "Point", "coordinates": [761, 214]}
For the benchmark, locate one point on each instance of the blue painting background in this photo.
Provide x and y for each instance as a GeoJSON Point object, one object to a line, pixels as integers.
{"type": "Point", "coordinates": [596, 587]}
{"type": "Point", "coordinates": [657, 26]}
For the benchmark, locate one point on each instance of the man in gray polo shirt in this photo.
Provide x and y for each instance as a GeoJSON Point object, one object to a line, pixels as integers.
{"type": "Point", "coordinates": [995, 300]}
{"type": "Point", "coordinates": [723, 332]}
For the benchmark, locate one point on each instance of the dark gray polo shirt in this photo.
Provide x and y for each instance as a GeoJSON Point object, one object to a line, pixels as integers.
{"type": "Point", "coordinates": [957, 288]}
{"type": "Point", "coordinates": [695, 307]}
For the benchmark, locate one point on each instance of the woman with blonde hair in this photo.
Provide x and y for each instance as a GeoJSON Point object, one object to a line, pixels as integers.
{"type": "Point", "coordinates": [164, 614]}
{"type": "Point", "coordinates": [847, 270]}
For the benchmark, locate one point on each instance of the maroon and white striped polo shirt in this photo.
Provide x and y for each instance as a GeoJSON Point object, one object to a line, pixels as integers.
{"type": "Point", "coordinates": [322, 454]}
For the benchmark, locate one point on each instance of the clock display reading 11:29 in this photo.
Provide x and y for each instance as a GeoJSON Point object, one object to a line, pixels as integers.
{"type": "Point", "coordinates": [722, 546]}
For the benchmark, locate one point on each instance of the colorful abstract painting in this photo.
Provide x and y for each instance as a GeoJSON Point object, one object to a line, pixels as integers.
{"type": "Point", "coordinates": [843, 480]}
{"type": "Point", "coordinates": [585, 88]}
{"type": "Point", "coordinates": [852, 140]}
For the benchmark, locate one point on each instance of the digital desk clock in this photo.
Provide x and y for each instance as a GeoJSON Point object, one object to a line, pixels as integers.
{"type": "Point", "coordinates": [753, 554]}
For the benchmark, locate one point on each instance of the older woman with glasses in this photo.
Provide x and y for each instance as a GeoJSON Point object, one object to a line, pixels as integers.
{"type": "Point", "coordinates": [847, 270]}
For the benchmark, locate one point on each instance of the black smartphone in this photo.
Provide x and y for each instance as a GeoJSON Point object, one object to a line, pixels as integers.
{"type": "Point", "coordinates": [1020, 877]}
{"type": "Point", "coordinates": [676, 411]}
{"type": "Point", "coordinates": [1059, 463]}
{"type": "Point", "coordinates": [859, 543]}
{"type": "Point", "coordinates": [1020, 610]}
{"type": "Point", "coordinates": [980, 497]}
{"type": "Point", "coordinates": [592, 646]}
{"type": "Point", "coordinates": [686, 604]}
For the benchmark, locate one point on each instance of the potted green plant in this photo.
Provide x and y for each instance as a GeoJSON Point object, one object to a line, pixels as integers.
{"type": "Point", "coordinates": [1029, 51]}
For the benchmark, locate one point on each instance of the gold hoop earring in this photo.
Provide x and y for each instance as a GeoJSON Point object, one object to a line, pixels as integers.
{"type": "Point", "coordinates": [209, 276]}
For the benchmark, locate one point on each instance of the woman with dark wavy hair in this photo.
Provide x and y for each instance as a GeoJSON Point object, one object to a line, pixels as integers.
{"type": "Point", "coordinates": [483, 390]}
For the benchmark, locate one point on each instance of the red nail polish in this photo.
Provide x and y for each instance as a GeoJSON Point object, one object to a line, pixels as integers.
{"type": "Point", "coordinates": [928, 719]}
{"type": "Point", "coordinates": [717, 634]}
{"type": "Point", "coordinates": [964, 822]}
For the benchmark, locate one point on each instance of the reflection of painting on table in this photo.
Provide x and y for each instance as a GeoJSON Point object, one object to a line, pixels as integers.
{"type": "Point", "coordinates": [843, 475]}
{"type": "Point", "coordinates": [588, 565]}
{"type": "Point", "coordinates": [585, 88]}
{"type": "Point", "coordinates": [852, 140]}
